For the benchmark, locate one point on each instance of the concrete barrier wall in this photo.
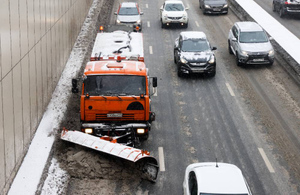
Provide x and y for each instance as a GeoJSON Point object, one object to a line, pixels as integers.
{"type": "Point", "coordinates": [36, 38]}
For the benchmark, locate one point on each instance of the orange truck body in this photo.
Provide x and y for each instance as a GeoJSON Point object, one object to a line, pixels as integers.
{"type": "Point", "coordinates": [115, 98]}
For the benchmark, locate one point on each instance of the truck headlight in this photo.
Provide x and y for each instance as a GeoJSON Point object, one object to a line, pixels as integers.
{"type": "Point", "coordinates": [140, 131]}
{"type": "Point", "coordinates": [88, 130]}
{"type": "Point", "coordinates": [183, 61]}
{"type": "Point", "coordinates": [212, 59]}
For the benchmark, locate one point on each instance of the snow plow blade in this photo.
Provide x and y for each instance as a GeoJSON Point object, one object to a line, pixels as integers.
{"type": "Point", "coordinates": [144, 162]}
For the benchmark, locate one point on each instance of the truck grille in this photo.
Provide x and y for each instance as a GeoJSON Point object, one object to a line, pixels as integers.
{"type": "Point", "coordinates": [104, 117]}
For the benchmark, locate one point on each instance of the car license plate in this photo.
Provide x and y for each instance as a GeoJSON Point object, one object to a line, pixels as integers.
{"type": "Point", "coordinates": [258, 60]}
{"type": "Point", "coordinates": [114, 115]}
{"type": "Point", "coordinates": [217, 10]}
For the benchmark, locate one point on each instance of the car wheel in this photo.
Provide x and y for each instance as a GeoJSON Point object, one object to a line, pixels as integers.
{"type": "Point", "coordinates": [179, 72]}
{"type": "Point", "coordinates": [229, 48]}
{"type": "Point", "coordinates": [162, 25]}
{"type": "Point", "coordinates": [238, 63]}
{"type": "Point", "coordinates": [273, 7]}
{"type": "Point", "coordinates": [212, 74]}
{"type": "Point", "coordinates": [175, 61]}
{"type": "Point", "coordinates": [281, 12]}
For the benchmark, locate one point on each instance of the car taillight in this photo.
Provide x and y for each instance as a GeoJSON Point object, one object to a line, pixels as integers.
{"type": "Point", "coordinates": [286, 2]}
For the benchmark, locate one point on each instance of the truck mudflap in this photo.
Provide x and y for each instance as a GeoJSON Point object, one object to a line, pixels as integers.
{"type": "Point", "coordinates": [147, 164]}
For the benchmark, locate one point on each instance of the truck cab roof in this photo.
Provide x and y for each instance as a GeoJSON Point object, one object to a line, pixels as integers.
{"type": "Point", "coordinates": [114, 67]}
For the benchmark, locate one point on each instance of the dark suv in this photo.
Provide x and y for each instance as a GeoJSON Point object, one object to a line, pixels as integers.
{"type": "Point", "coordinates": [214, 6]}
{"type": "Point", "coordinates": [284, 7]}
{"type": "Point", "coordinates": [193, 54]}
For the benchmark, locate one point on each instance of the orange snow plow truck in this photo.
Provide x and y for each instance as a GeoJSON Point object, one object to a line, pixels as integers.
{"type": "Point", "coordinates": [115, 101]}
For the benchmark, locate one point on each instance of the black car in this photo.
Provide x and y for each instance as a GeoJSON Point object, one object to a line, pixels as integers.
{"type": "Point", "coordinates": [193, 54]}
{"type": "Point", "coordinates": [214, 6]}
{"type": "Point", "coordinates": [284, 7]}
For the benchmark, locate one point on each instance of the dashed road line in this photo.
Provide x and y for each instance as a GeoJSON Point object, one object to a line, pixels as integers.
{"type": "Point", "coordinates": [148, 24]}
{"type": "Point", "coordinates": [161, 159]}
{"type": "Point", "coordinates": [197, 24]}
{"type": "Point", "coordinates": [150, 50]}
{"type": "Point", "coordinates": [265, 158]}
{"type": "Point", "coordinates": [230, 90]}
{"type": "Point", "coordinates": [146, 5]}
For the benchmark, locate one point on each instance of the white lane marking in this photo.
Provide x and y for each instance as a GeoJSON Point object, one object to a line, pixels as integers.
{"type": "Point", "coordinates": [230, 90]}
{"type": "Point", "coordinates": [146, 5]}
{"type": "Point", "coordinates": [265, 158]}
{"type": "Point", "coordinates": [148, 23]}
{"type": "Point", "coordinates": [161, 159]}
{"type": "Point", "coordinates": [197, 24]}
{"type": "Point", "coordinates": [150, 50]}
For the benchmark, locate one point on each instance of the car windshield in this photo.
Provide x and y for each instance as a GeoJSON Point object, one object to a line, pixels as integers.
{"type": "Point", "coordinates": [195, 45]}
{"type": "Point", "coordinates": [174, 7]}
{"type": "Point", "coordinates": [128, 11]}
{"type": "Point", "coordinates": [253, 37]}
{"type": "Point", "coordinates": [114, 85]}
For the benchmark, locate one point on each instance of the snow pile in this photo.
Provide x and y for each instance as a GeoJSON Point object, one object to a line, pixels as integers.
{"type": "Point", "coordinates": [55, 182]}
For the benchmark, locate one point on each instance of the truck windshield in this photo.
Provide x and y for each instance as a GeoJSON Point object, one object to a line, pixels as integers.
{"type": "Point", "coordinates": [114, 85]}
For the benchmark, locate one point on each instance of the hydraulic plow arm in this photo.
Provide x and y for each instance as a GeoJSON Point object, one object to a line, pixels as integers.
{"type": "Point", "coordinates": [147, 164]}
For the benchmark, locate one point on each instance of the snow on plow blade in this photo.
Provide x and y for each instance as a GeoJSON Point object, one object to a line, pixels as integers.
{"type": "Point", "coordinates": [146, 163]}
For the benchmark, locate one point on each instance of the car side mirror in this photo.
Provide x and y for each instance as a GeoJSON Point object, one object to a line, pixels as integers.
{"type": "Point", "coordinates": [154, 84]}
{"type": "Point", "coordinates": [141, 13]}
{"type": "Point", "coordinates": [116, 13]}
{"type": "Point", "coordinates": [234, 39]}
{"type": "Point", "coordinates": [214, 48]}
{"type": "Point", "coordinates": [187, 8]}
{"type": "Point", "coordinates": [271, 38]}
{"type": "Point", "coordinates": [74, 86]}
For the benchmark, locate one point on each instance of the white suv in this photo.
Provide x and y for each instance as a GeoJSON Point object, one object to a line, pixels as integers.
{"type": "Point", "coordinates": [173, 12]}
{"type": "Point", "coordinates": [250, 44]}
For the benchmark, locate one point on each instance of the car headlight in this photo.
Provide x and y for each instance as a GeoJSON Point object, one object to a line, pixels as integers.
{"type": "Point", "coordinates": [138, 21]}
{"type": "Point", "coordinates": [165, 16]}
{"type": "Point", "coordinates": [207, 6]}
{"type": "Point", "coordinates": [271, 52]}
{"type": "Point", "coordinates": [118, 21]}
{"type": "Point", "coordinates": [183, 61]}
{"type": "Point", "coordinates": [244, 53]}
{"type": "Point", "coordinates": [226, 5]}
{"type": "Point", "coordinates": [212, 59]}
{"type": "Point", "coordinates": [184, 16]}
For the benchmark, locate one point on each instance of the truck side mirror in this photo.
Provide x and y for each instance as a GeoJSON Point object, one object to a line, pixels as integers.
{"type": "Point", "coordinates": [74, 86]}
{"type": "Point", "coordinates": [154, 82]}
